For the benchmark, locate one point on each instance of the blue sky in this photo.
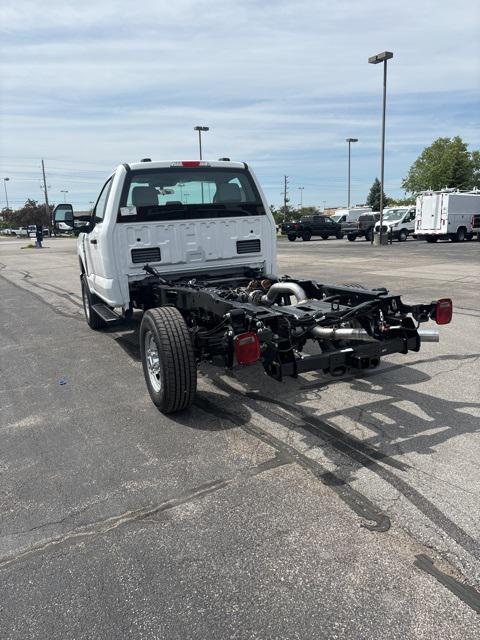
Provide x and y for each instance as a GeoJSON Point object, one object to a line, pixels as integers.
{"type": "Point", "coordinates": [281, 85]}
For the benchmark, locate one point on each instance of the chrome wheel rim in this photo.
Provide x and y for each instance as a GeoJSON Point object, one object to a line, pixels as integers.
{"type": "Point", "coordinates": [86, 305]}
{"type": "Point", "coordinates": [152, 360]}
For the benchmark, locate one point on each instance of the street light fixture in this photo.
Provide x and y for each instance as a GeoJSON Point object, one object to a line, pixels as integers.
{"type": "Point", "coordinates": [5, 180]}
{"type": "Point", "coordinates": [200, 129]}
{"type": "Point", "coordinates": [349, 140]}
{"type": "Point", "coordinates": [301, 197]}
{"type": "Point", "coordinates": [382, 57]}
{"type": "Point", "coordinates": [64, 191]}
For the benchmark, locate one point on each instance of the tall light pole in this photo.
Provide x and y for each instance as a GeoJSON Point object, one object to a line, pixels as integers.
{"type": "Point", "coordinates": [200, 129]}
{"type": "Point", "coordinates": [5, 180]}
{"type": "Point", "coordinates": [64, 191]}
{"type": "Point", "coordinates": [382, 57]}
{"type": "Point", "coordinates": [349, 140]}
{"type": "Point", "coordinates": [301, 197]}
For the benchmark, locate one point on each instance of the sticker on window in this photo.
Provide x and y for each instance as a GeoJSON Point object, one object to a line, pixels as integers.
{"type": "Point", "coordinates": [128, 211]}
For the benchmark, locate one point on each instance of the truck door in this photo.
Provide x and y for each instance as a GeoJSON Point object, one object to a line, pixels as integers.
{"type": "Point", "coordinates": [94, 241]}
{"type": "Point", "coordinates": [432, 211]}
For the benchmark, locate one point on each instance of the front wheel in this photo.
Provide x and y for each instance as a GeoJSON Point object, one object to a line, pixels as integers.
{"type": "Point", "coordinates": [306, 235]}
{"type": "Point", "coordinates": [292, 237]}
{"type": "Point", "coordinates": [94, 321]}
{"type": "Point", "coordinates": [352, 237]}
{"type": "Point", "coordinates": [339, 235]}
{"type": "Point", "coordinates": [168, 359]}
{"type": "Point", "coordinates": [369, 235]}
{"type": "Point", "coordinates": [324, 236]}
{"type": "Point", "coordinates": [402, 235]}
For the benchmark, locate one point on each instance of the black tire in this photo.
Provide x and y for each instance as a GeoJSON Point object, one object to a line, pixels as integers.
{"type": "Point", "coordinates": [339, 235]}
{"type": "Point", "coordinates": [306, 235]}
{"type": "Point", "coordinates": [164, 335]}
{"type": "Point", "coordinates": [324, 236]}
{"type": "Point", "coordinates": [89, 299]}
{"type": "Point", "coordinates": [402, 235]}
{"type": "Point", "coordinates": [368, 235]}
{"type": "Point", "coordinates": [292, 237]}
{"type": "Point", "coordinates": [469, 237]}
{"type": "Point", "coordinates": [352, 237]}
{"type": "Point", "coordinates": [431, 239]}
{"type": "Point", "coordinates": [459, 236]}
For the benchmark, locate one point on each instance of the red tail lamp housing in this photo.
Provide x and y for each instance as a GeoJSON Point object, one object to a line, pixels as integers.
{"type": "Point", "coordinates": [247, 348]}
{"type": "Point", "coordinates": [443, 311]}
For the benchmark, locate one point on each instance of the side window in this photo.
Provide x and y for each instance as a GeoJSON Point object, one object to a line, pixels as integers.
{"type": "Point", "coordinates": [99, 211]}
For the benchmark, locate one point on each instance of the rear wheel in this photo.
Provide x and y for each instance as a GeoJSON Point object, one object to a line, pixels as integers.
{"type": "Point", "coordinates": [306, 235]}
{"type": "Point", "coordinates": [352, 237]}
{"type": "Point", "coordinates": [368, 235]}
{"type": "Point", "coordinates": [292, 237]}
{"type": "Point", "coordinates": [431, 239]}
{"type": "Point", "coordinates": [324, 236]}
{"type": "Point", "coordinates": [339, 235]}
{"type": "Point", "coordinates": [89, 299]}
{"type": "Point", "coordinates": [459, 236]}
{"type": "Point", "coordinates": [168, 359]}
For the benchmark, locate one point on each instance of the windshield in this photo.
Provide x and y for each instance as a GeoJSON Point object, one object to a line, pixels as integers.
{"type": "Point", "coordinates": [186, 193]}
{"type": "Point", "coordinates": [336, 217]}
{"type": "Point", "coordinates": [393, 214]}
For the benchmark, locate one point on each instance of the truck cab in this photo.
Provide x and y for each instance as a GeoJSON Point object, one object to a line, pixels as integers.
{"type": "Point", "coordinates": [190, 217]}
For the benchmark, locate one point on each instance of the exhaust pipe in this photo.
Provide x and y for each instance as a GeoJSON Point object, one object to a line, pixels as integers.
{"type": "Point", "coordinates": [332, 333]}
{"type": "Point", "coordinates": [291, 288]}
{"type": "Point", "coordinates": [429, 335]}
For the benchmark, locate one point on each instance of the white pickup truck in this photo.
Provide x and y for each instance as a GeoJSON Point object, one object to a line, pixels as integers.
{"type": "Point", "coordinates": [192, 245]}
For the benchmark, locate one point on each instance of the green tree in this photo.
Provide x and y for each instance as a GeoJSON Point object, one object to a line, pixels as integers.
{"type": "Point", "coordinates": [373, 199]}
{"type": "Point", "coordinates": [31, 213]}
{"type": "Point", "coordinates": [445, 163]}
{"type": "Point", "coordinates": [475, 157]}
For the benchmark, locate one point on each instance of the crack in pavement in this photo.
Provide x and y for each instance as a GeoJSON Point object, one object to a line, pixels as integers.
{"type": "Point", "coordinates": [95, 529]}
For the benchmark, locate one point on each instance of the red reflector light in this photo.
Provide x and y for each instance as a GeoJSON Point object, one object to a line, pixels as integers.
{"type": "Point", "coordinates": [247, 348]}
{"type": "Point", "coordinates": [443, 311]}
{"type": "Point", "coordinates": [190, 163]}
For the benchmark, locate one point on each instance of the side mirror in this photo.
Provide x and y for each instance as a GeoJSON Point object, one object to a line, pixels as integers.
{"type": "Point", "coordinates": [63, 218]}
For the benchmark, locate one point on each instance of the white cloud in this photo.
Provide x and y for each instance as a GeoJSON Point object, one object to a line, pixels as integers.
{"type": "Point", "coordinates": [281, 84]}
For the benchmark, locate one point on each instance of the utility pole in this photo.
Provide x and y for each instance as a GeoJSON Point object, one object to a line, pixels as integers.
{"type": "Point", "coordinates": [47, 206]}
{"type": "Point", "coordinates": [285, 196]}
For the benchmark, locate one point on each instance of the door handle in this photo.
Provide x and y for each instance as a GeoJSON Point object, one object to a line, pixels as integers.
{"type": "Point", "coordinates": [93, 241]}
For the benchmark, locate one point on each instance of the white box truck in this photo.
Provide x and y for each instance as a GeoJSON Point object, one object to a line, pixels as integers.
{"type": "Point", "coordinates": [446, 214]}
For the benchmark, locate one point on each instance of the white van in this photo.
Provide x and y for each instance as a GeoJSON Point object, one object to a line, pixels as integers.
{"type": "Point", "coordinates": [446, 214]}
{"type": "Point", "coordinates": [399, 221]}
{"type": "Point", "coordinates": [350, 215]}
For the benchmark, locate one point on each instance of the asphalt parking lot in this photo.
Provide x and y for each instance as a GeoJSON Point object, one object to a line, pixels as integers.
{"type": "Point", "coordinates": [313, 508]}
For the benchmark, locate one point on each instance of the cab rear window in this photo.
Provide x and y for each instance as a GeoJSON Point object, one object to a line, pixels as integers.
{"type": "Point", "coordinates": [180, 193]}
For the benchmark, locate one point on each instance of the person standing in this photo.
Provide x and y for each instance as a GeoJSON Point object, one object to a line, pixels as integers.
{"type": "Point", "coordinates": [39, 237]}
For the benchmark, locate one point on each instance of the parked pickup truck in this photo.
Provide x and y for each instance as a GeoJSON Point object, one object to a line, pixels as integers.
{"type": "Point", "coordinates": [203, 274]}
{"type": "Point", "coordinates": [361, 228]}
{"type": "Point", "coordinates": [322, 226]}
